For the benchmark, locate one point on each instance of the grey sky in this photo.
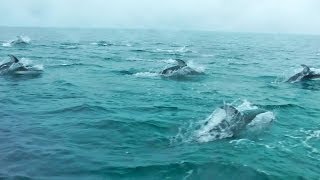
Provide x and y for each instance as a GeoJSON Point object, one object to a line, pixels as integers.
{"type": "Point", "coordinates": [293, 16]}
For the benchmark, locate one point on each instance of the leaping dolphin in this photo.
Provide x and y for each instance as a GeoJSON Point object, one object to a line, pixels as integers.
{"type": "Point", "coordinates": [234, 121]}
{"type": "Point", "coordinates": [181, 65]}
{"type": "Point", "coordinates": [305, 74]}
{"type": "Point", "coordinates": [16, 67]}
{"type": "Point", "coordinates": [19, 41]}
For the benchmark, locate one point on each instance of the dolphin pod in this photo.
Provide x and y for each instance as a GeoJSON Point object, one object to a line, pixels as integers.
{"type": "Point", "coordinates": [234, 122]}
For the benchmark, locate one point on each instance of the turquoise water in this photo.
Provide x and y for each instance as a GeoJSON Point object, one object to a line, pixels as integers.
{"type": "Point", "coordinates": [100, 109]}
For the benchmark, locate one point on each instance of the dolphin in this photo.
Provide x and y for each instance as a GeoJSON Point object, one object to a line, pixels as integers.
{"type": "Point", "coordinates": [305, 74]}
{"type": "Point", "coordinates": [235, 121]}
{"type": "Point", "coordinates": [14, 66]}
{"type": "Point", "coordinates": [181, 65]}
{"type": "Point", "coordinates": [19, 41]}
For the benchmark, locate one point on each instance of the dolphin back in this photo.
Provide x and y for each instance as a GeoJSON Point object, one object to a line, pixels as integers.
{"type": "Point", "coordinates": [305, 74]}
{"type": "Point", "coordinates": [299, 76]}
{"type": "Point", "coordinates": [249, 115]}
{"type": "Point", "coordinates": [171, 69]}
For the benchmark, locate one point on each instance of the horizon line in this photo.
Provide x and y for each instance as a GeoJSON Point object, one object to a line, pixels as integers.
{"type": "Point", "coordinates": [164, 29]}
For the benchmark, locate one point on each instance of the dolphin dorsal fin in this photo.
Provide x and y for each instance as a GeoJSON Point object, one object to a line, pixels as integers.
{"type": "Point", "coordinates": [230, 110]}
{"type": "Point", "coordinates": [181, 62]}
{"type": "Point", "coordinates": [306, 69]}
{"type": "Point", "coordinates": [13, 58]}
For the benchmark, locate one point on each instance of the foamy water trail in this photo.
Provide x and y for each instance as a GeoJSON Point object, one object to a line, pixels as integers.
{"type": "Point", "coordinates": [169, 61]}
{"type": "Point", "coordinates": [196, 67]}
{"type": "Point", "coordinates": [312, 135]}
{"type": "Point", "coordinates": [26, 39]}
{"type": "Point", "coordinates": [29, 62]}
{"type": "Point", "coordinates": [6, 44]}
{"type": "Point", "coordinates": [316, 70]}
{"type": "Point", "coordinates": [246, 105]}
{"type": "Point", "coordinates": [183, 49]}
{"type": "Point", "coordinates": [146, 74]}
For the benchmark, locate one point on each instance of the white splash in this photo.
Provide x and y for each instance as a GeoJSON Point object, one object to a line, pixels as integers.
{"type": "Point", "coordinates": [20, 39]}
{"type": "Point", "coordinates": [183, 49]}
{"type": "Point", "coordinates": [204, 134]}
{"type": "Point", "coordinates": [240, 141]}
{"type": "Point", "coordinates": [311, 135]}
{"type": "Point", "coordinates": [246, 105]}
{"type": "Point", "coordinates": [25, 39]}
{"type": "Point", "coordinates": [196, 67]}
{"type": "Point", "coordinates": [146, 74]}
{"type": "Point", "coordinates": [315, 70]}
{"type": "Point", "coordinates": [7, 44]}
{"type": "Point", "coordinates": [28, 62]}
{"type": "Point", "coordinates": [169, 61]}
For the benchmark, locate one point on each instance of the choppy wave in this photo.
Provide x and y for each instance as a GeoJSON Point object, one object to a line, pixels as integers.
{"type": "Point", "coordinates": [176, 170]}
{"type": "Point", "coordinates": [302, 139]}
{"type": "Point", "coordinates": [105, 112]}
{"type": "Point", "coordinates": [189, 170]}
{"type": "Point", "coordinates": [281, 106]}
{"type": "Point", "coordinates": [311, 141]}
{"type": "Point", "coordinates": [70, 65]}
{"type": "Point", "coordinates": [104, 43]}
{"type": "Point", "coordinates": [183, 49]}
{"type": "Point", "coordinates": [83, 108]}
{"type": "Point", "coordinates": [69, 45]}
{"type": "Point", "coordinates": [146, 74]}
{"type": "Point", "coordinates": [180, 50]}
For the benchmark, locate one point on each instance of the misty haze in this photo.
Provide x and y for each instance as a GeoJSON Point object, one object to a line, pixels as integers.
{"type": "Point", "coordinates": [150, 89]}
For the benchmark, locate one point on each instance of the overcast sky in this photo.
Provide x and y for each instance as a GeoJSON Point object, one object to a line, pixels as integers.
{"type": "Point", "coordinates": [292, 16]}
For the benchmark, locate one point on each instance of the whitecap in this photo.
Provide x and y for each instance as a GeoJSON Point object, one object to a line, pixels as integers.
{"type": "Point", "coordinates": [146, 74]}
{"type": "Point", "coordinates": [196, 67]}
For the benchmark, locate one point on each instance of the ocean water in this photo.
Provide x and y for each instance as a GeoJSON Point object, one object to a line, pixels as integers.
{"type": "Point", "coordinates": [100, 109]}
